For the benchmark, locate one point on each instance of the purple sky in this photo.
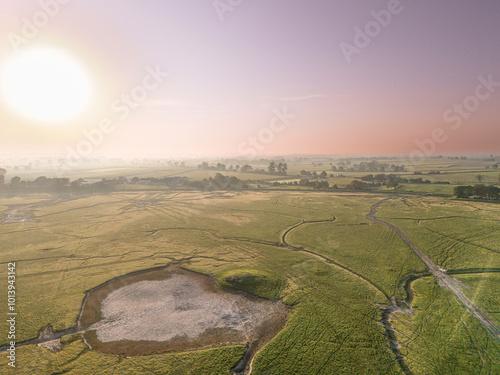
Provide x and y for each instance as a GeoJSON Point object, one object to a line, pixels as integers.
{"type": "Point", "coordinates": [228, 77]}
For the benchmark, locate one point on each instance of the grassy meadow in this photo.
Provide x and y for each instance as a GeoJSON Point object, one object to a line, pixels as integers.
{"type": "Point", "coordinates": [442, 338]}
{"type": "Point", "coordinates": [336, 270]}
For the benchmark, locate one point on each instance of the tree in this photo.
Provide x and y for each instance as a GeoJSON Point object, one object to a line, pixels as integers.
{"type": "Point", "coordinates": [246, 168]}
{"type": "Point", "coordinates": [323, 175]}
{"type": "Point", "coordinates": [41, 181]}
{"type": "Point", "coordinates": [463, 191]}
{"type": "Point", "coordinates": [493, 192]}
{"type": "Point", "coordinates": [282, 168]}
{"type": "Point", "coordinates": [59, 184]}
{"type": "Point", "coordinates": [272, 167]}
{"type": "Point", "coordinates": [480, 191]}
{"type": "Point", "coordinates": [220, 181]}
{"type": "Point", "coordinates": [479, 178]}
{"type": "Point", "coordinates": [14, 181]}
{"type": "Point", "coordinates": [3, 172]}
{"type": "Point", "coordinates": [391, 184]}
{"type": "Point", "coordinates": [356, 185]}
{"type": "Point", "coordinates": [322, 185]}
{"type": "Point", "coordinates": [77, 183]}
{"type": "Point", "coordinates": [368, 178]}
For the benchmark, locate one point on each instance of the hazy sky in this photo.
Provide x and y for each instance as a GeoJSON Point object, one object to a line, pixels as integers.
{"type": "Point", "coordinates": [232, 68]}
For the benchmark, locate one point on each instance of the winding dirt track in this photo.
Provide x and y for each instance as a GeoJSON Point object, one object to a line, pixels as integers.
{"type": "Point", "coordinates": [325, 258]}
{"type": "Point", "coordinates": [443, 279]}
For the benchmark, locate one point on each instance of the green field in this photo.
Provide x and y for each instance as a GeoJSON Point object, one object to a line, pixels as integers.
{"type": "Point", "coordinates": [441, 338]}
{"type": "Point", "coordinates": [315, 251]}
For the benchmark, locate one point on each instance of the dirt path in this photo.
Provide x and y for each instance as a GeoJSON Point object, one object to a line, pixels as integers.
{"type": "Point", "coordinates": [387, 310]}
{"type": "Point", "coordinates": [324, 258]}
{"type": "Point", "coordinates": [443, 279]}
{"type": "Point", "coordinates": [44, 338]}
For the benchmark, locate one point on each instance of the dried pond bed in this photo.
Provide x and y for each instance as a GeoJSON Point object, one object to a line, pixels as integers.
{"type": "Point", "coordinates": [173, 309]}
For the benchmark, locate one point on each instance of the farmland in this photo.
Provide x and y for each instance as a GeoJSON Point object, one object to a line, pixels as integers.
{"type": "Point", "coordinates": [231, 187]}
{"type": "Point", "coordinates": [316, 252]}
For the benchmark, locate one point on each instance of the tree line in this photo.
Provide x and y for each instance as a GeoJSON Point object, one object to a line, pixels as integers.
{"type": "Point", "coordinates": [477, 191]}
{"type": "Point", "coordinates": [62, 185]}
{"type": "Point", "coordinates": [278, 169]}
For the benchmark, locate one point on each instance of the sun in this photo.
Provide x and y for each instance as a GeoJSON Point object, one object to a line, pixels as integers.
{"type": "Point", "coordinates": [45, 85]}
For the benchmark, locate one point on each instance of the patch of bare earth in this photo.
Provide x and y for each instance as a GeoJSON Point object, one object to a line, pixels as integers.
{"type": "Point", "coordinates": [54, 346]}
{"type": "Point", "coordinates": [47, 333]}
{"type": "Point", "coordinates": [25, 213]}
{"type": "Point", "coordinates": [172, 309]}
{"type": "Point", "coordinates": [18, 214]}
{"type": "Point", "coordinates": [236, 219]}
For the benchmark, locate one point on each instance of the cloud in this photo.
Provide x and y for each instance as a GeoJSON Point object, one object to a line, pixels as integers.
{"type": "Point", "coordinates": [297, 98]}
{"type": "Point", "coordinates": [306, 97]}
{"type": "Point", "coordinates": [163, 103]}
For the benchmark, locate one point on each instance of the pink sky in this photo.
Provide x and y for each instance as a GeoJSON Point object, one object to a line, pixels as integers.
{"type": "Point", "coordinates": [228, 77]}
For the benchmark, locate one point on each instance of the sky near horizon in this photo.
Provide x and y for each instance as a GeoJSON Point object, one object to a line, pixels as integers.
{"type": "Point", "coordinates": [258, 77]}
